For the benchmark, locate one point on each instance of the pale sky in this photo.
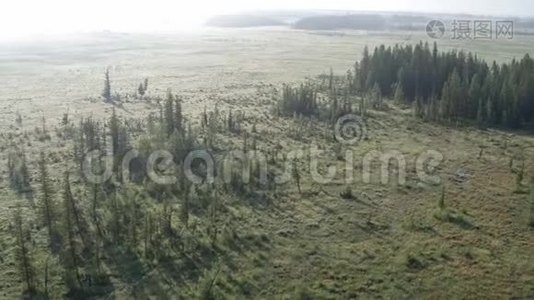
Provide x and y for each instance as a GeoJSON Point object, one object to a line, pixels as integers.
{"type": "Point", "coordinates": [23, 17]}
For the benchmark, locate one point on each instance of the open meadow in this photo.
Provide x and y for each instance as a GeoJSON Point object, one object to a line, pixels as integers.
{"type": "Point", "coordinates": [465, 236]}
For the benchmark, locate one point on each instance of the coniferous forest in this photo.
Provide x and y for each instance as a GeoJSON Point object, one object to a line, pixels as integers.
{"type": "Point", "coordinates": [452, 86]}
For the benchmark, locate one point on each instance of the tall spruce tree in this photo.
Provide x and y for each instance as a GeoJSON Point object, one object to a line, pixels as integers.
{"type": "Point", "coordinates": [23, 255]}
{"type": "Point", "coordinates": [169, 113]}
{"type": "Point", "coordinates": [106, 93]}
{"type": "Point", "coordinates": [141, 90]}
{"type": "Point", "coordinates": [114, 128]}
{"type": "Point", "coordinates": [47, 205]}
{"type": "Point", "coordinates": [178, 116]}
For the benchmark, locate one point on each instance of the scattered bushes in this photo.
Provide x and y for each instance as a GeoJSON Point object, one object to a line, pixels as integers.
{"type": "Point", "coordinates": [347, 193]}
{"type": "Point", "coordinates": [452, 216]}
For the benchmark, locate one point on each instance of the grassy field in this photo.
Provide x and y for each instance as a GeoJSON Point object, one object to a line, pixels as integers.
{"type": "Point", "coordinates": [387, 241]}
{"type": "Point", "coordinates": [51, 76]}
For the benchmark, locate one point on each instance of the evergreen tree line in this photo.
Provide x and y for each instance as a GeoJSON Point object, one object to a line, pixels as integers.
{"type": "Point", "coordinates": [449, 86]}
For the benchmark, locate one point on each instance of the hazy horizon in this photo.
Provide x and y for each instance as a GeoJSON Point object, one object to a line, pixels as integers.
{"type": "Point", "coordinates": [30, 17]}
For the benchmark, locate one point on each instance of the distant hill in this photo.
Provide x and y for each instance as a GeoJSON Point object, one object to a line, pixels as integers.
{"type": "Point", "coordinates": [329, 22]}
{"type": "Point", "coordinates": [243, 21]}
{"type": "Point", "coordinates": [355, 20]}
